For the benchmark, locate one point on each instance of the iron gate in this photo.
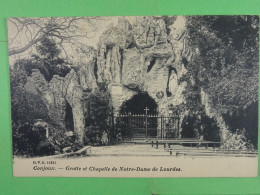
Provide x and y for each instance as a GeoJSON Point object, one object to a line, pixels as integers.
{"type": "Point", "coordinates": [142, 126]}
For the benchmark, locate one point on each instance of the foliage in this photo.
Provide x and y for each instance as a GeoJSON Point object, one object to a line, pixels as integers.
{"type": "Point", "coordinates": [225, 63]}
{"type": "Point", "coordinates": [237, 141]}
{"type": "Point", "coordinates": [30, 141]}
{"type": "Point", "coordinates": [48, 59]}
{"type": "Point", "coordinates": [28, 106]}
{"type": "Point", "coordinates": [244, 119]}
{"type": "Point", "coordinates": [198, 124]}
{"type": "Point", "coordinates": [25, 106]}
{"type": "Point", "coordinates": [97, 113]}
{"type": "Point", "coordinates": [93, 135]}
{"type": "Point", "coordinates": [77, 145]}
{"type": "Point", "coordinates": [97, 108]}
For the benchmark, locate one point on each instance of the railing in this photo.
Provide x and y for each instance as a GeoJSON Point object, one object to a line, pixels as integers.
{"type": "Point", "coordinates": [144, 126]}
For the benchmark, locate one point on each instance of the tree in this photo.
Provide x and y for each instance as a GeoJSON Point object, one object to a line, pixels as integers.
{"type": "Point", "coordinates": [225, 63]}
{"type": "Point", "coordinates": [48, 59]}
{"type": "Point", "coordinates": [25, 33]}
{"type": "Point", "coordinates": [25, 106]}
{"type": "Point", "coordinates": [97, 108]}
{"type": "Point", "coordinates": [96, 116]}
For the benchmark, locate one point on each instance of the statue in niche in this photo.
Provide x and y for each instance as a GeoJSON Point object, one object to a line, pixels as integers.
{"type": "Point", "coordinates": [172, 81]}
{"type": "Point", "coordinates": [107, 70]}
{"type": "Point", "coordinates": [101, 62]}
{"type": "Point", "coordinates": [116, 62]}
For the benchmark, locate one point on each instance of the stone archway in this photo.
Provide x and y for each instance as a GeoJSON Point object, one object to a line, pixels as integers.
{"type": "Point", "coordinates": [137, 104]}
{"type": "Point", "coordinates": [138, 116]}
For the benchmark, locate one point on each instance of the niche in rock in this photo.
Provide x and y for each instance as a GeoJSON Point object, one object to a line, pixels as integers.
{"type": "Point", "coordinates": [152, 62]}
{"type": "Point", "coordinates": [69, 123]}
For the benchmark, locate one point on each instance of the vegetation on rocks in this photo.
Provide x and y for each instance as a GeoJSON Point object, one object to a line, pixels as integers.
{"type": "Point", "coordinates": [225, 66]}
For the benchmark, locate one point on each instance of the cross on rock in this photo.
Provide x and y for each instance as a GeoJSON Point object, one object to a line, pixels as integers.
{"type": "Point", "coordinates": [146, 110]}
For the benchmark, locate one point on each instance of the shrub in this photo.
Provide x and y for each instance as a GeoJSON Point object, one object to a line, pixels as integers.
{"type": "Point", "coordinates": [237, 141]}
{"type": "Point", "coordinates": [29, 140]}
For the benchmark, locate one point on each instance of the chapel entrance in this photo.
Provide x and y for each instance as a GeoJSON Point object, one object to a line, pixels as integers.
{"type": "Point", "coordinates": [138, 117]}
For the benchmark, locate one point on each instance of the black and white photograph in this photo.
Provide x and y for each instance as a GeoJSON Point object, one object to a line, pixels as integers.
{"type": "Point", "coordinates": [134, 96]}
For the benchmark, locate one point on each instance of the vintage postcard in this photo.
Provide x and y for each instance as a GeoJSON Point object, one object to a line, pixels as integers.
{"type": "Point", "coordinates": [134, 96]}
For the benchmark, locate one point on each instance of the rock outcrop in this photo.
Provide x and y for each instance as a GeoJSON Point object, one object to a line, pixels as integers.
{"type": "Point", "coordinates": [131, 58]}
{"type": "Point", "coordinates": [56, 93]}
{"type": "Point", "coordinates": [143, 59]}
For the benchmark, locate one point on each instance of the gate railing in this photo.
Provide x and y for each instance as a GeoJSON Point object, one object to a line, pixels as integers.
{"type": "Point", "coordinates": [147, 126]}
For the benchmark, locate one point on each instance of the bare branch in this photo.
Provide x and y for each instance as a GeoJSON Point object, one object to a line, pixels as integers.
{"type": "Point", "coordinates": [32, 30]}
{"type": "Point", "coordinates": [20, 50]}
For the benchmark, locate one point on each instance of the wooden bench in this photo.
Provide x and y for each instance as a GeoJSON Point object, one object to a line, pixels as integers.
{"type": "Point", "coordinates": [204, 152]}
{"type": "Point", "coordinates": [190, 142]}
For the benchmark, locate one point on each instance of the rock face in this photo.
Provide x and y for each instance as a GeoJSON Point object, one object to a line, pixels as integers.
{"type": "Point", "coordinates": [130, 59]}
{"type": "Point", "coordinates": [149, 64]}
{"type": "Point", "coordinates": [224, 130]}
{"type": "Point", "coordinates": [56, 93]}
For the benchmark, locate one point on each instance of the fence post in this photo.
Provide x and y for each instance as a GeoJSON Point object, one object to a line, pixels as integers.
{"type": "Point", "coordinates": [161, 127]}
{"type": "Point", "coordinates": [157, 144]}
{"type": "Point", "coordinates": [129, 123]}
{"type": "Point", "coordinates": [178, 118]}
{"type": "Point", "coordinates": [146, 125]}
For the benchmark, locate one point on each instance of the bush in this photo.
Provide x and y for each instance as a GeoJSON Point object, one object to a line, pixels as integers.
{"type": "Point", "coordinates": [29, 140]}
{"type": "Point", "coordinates": [76, 146]}
{"type": "Point", "coordinates": [237, 141]}
{"type": "Point", "coordinates": [93, 135]}
{"type": "Point", "coordinates": [97, 113]}
{"type": "Point", "coordinates": [97, 108]}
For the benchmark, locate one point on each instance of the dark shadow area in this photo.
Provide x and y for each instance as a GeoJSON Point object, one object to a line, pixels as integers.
{"type": "Point", "coordinates": [138, 103]}
{"type": "Point", "coordinates": [151, 65]}
{"type": "Point", "coordinates": [133, 126]}
{"type": "Point", "coordinates": [245, 119]}
{"type": "Point", "coordinates": [199, 125]}
{"type": "Point", "coordinates": [69, 123]}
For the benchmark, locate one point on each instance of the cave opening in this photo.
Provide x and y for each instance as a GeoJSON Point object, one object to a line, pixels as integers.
{"type": "Point", "coordinates": [137, 105]}
{"type": "Point", "coordinates": [69, 123]}
{"type": "Point", "coordinates": [133, 120]}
